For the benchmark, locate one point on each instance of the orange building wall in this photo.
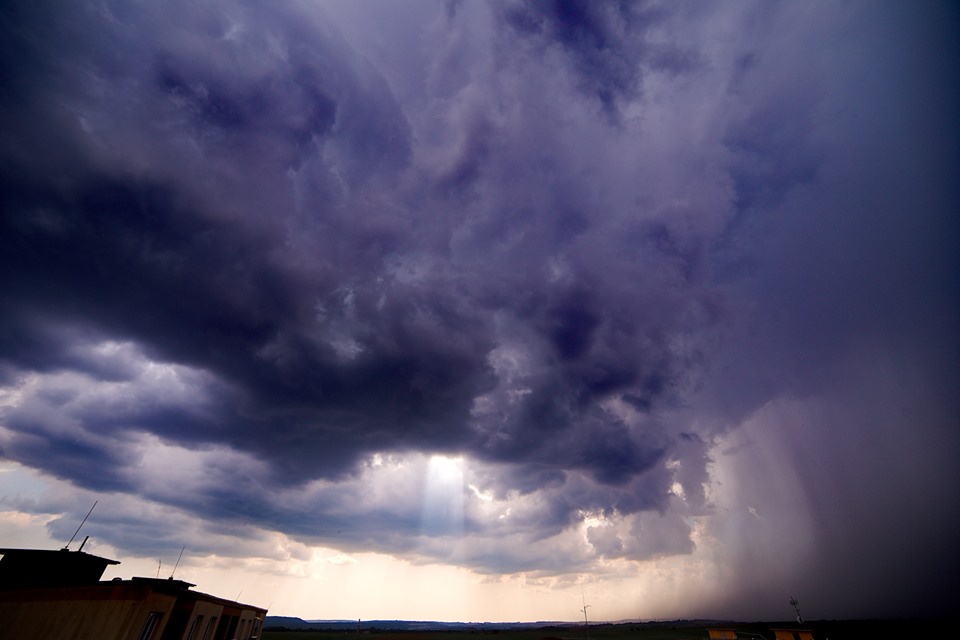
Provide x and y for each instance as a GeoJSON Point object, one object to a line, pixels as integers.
{"type": "Point", "coordinates": [793, 634]}
{"type": "Point", "coordinates": [42, 615]}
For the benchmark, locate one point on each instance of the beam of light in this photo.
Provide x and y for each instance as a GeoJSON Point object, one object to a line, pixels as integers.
{"type": "Point", "coordinates": [443, 497]}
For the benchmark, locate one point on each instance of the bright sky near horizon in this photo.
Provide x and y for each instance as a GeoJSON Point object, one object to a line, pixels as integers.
{"type": "Point", "coordinates": [481, 311]}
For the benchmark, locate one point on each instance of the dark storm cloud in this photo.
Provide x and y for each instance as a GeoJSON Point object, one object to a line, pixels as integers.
{"type": "Point", "coordinates": [606, 42]}
{"type": "Point", "coordinates": [219, 196]}
{"type": "Point", "coordinates": [212, 280]}
{"type": "Point", "coordinates": [233, 246]}
{"type": "Point", "coordinates": [851, 276]}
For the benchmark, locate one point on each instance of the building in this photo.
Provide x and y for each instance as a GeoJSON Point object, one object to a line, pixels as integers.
{"type": "Point", "coordinates": [792, 634]}
{"type": "Point", "coordinates": [58, 595]}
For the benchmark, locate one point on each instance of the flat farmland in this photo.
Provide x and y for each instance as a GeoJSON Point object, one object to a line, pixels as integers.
{"type": "Point", "coordinates": [899, 629]}
{"type": "Point", "coordinates": [659, 633]}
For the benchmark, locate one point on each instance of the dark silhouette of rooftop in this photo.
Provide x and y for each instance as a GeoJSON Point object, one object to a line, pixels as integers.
{"type": "Point", "coordinates": [42, 569]}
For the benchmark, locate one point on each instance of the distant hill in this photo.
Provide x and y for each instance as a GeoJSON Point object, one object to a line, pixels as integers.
{"type": "Point", "coordinates": [622, 630]}
{"type": "Point", "coordinates": [287, 622]}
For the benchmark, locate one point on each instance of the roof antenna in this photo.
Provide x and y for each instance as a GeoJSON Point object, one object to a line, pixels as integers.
{"type": "Point", "coordinates": [796, 607]}
{"type": "Point", "coordinates": [178, 562]}
{"type": "Point", "coordinates": [67, 547]}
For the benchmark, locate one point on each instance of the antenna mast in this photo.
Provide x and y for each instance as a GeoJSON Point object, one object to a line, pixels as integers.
{"type": "Point", "coordinates": [67, 547]}
{"type": "Point", "coordinates": [178, 562]}
{"type": "Point", "coordinates": [796, 607]}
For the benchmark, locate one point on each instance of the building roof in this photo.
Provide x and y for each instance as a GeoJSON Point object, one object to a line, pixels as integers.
{"type": "Point", "coordinates": [41, 568]}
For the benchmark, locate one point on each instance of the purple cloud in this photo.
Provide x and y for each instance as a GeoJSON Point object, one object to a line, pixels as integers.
{"type": "Point", "coordinates": [581, 247]}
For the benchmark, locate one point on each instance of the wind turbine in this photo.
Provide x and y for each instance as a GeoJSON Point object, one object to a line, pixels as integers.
{"type": "Point", "coordinates": [584, 610]}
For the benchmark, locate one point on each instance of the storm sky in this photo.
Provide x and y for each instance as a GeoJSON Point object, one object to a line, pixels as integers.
{"type": "Point", "coordinates": [462, 310]}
